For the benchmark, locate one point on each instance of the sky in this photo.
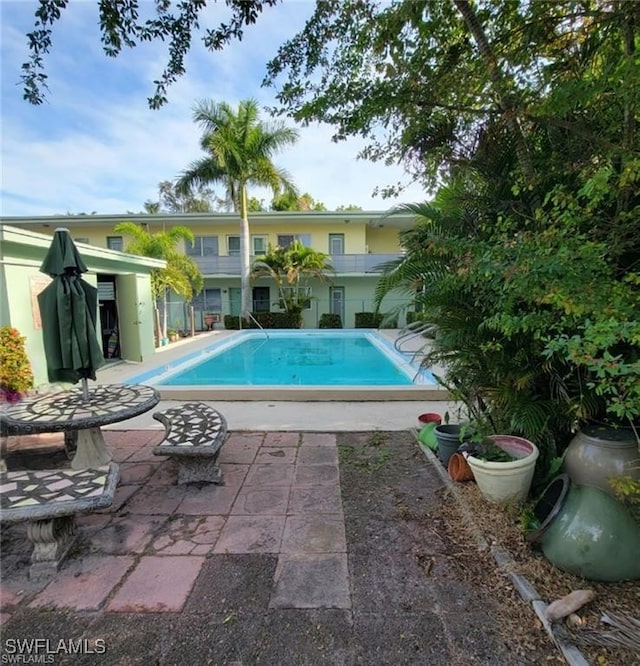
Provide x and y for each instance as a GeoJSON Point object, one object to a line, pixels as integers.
{"type": "Point", "coordinates": [95, 146]}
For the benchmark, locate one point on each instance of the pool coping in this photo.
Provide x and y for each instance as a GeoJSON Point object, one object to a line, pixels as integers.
{"type": "Point", "coordinates": [304, 394]}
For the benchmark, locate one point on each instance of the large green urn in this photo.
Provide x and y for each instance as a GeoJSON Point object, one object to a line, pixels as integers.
{"type": "Point", "coordinates": [586, 532]}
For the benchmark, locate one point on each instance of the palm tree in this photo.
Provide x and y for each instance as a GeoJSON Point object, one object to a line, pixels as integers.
{"type": "Point", "coordinates": [291, 268]}
{"type": "Point", "coordinates": [181, 273]}
{"type": "Point", "coordinates": [239, 149]}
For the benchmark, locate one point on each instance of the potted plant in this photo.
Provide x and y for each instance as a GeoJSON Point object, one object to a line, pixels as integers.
{"type": "Point", "coordinates": [503, 467]}
{"type": "Point", "coordinates": [605, 358]}
{"type": "Point", "coordinates": [209, 320]}
{"type": "Point", "coordinates": [173, 335]}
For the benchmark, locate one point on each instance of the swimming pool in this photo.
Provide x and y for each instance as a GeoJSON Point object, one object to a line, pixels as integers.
{"type": "Point", "coordinates": [296, 361]}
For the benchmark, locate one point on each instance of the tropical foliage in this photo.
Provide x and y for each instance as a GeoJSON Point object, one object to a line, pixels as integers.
{"type": "Point", "coordinates": [292, 268]}
{"type": "Point", "coordinates": [181, 274]}
{"type": "Point", "coordinates": [239, 149]}
{"type": "Point", "coordinates": [527, 258]}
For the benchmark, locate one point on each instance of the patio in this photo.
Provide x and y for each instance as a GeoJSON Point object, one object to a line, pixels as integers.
{"type": "Point", "coordinates": [313, 552]}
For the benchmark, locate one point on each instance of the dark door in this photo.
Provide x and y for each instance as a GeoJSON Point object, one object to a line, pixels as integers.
{"type": "Point", "coordinates": [261, 299]}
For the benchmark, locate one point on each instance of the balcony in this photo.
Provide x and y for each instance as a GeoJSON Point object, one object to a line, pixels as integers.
{"type": "Point", "coordinates": [354, 264]}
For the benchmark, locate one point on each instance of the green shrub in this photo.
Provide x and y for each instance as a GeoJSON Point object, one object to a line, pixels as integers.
{"type": "Point", "coordinates": [232, 322]}
{"type": "Point", "coordinates": [368, 319]}
{"type": "Point", "coordinates": [375, 320]}
{"type": "Point", "coordinates": [16, 376]}
{"type": "Point", "coordinates": [265, 319]}
{"type": "Point", "coordinates": [279, 319]}
{"type": "Point", "coordinates": [330, 321]}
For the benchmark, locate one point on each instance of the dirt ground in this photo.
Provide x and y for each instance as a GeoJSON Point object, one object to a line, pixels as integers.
{"type": "Point", "coordinates": [501, 525]}
{"type": "Point", "coordinates": [364, 458]}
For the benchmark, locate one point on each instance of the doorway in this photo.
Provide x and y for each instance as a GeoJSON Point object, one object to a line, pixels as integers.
{"type": "Point", "coordinates": [261, 299]}
{"type": "Point", "coordinates": [336, 302]}
{"type": "Point", "coordinates": [107, 306]}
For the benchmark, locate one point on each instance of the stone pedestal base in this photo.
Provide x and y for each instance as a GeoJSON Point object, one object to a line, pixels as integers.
{"type": "Point", "coordinates": [52, 539]}
{"type": "Point", "coordinates": [91, 450]}
{"type": "Point", "coordinates": [198, 468]}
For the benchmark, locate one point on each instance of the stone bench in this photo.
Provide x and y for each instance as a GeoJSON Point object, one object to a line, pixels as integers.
{"type": "Point", "coordinates": [48, 501]}
{"type": "Point", "coordinates": [195, 434]}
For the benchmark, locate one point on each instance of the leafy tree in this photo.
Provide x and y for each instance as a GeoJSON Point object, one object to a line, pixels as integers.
{"type": "Point", "coordinates": [201, 200]}
{"type": "Point", "coordinates": [127, 23]}
{"type": "Point", "coordinates": [291, 268]}
{"type": "Point", "coordinates": [348, 208]}
{"type": "Point", "coordinates": [426, 82]}
{"type": "Point", "coordinates": [527, 259]}
{"type": "Point", "coordinates": [239, 149]}
{"type": "Point", "coordinates": [181, 274]}
{"type": "Point", "coordinates": [289, 201]}
{"type": "Point", "coordinates": [256, 205]}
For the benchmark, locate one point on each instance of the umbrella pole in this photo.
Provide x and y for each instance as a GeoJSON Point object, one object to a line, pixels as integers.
{"type": "Point", "coordinates": [85, 390]}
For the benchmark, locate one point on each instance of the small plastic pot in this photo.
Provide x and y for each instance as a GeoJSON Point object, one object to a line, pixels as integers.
{"type": "Point", "coordinates": [429, 417]}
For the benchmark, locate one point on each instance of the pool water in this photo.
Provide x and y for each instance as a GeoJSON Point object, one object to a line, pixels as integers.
{"type": "Point", "coordinates": [286, 358]}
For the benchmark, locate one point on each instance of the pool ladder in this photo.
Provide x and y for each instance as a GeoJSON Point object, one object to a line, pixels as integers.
{"type": "Point", "coordinates": [411, 331]}
{"type": "Point", "coordinates": [257, 323]}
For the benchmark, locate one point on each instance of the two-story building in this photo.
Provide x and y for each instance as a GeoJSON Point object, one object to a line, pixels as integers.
{"type": "Point", "coordinates": [357, 244]}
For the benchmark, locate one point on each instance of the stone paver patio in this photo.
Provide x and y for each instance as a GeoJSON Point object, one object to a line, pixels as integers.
{"type": "Point", "coordinates": [281, 496]}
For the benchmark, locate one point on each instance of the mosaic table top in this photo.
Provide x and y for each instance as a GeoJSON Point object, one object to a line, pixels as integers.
{"type": "Point", "coordinates": [42, 494]}
{"type": "Point", "coordinates": [63, 411]}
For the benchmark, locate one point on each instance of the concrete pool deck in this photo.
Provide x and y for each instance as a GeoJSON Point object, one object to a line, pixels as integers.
{"type": "Point", "coordinates": [331, 410]}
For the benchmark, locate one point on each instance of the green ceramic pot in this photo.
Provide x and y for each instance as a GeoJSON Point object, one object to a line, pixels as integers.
{"type": "Point", "coordinates": [586, 532]}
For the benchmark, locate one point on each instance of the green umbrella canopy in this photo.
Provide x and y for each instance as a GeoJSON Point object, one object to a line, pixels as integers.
{"type": "Point", "coordinates": [68, 308]}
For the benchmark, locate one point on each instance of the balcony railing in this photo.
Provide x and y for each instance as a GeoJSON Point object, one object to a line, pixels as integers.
{"type": "Point", "coordinates": [358, 264]}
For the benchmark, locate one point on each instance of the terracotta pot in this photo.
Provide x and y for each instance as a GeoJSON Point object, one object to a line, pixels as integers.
{"type": "Point", "coordinates": [459, 469]}
{"type": "Point", "coordinates": [598, 453]}
{"type": "Point", "coordinates": [586, 532]}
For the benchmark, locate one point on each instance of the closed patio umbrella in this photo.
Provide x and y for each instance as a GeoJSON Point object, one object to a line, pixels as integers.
{"type": "Point", "coordinates": [68, 308]}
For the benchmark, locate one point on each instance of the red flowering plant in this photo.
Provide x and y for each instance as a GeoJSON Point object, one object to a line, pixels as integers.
{"type": "Point", "coordinates": [16, 376]}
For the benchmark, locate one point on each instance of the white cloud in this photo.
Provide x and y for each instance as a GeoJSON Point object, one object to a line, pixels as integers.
{"type": "Point", "coordinates": [96, 146]}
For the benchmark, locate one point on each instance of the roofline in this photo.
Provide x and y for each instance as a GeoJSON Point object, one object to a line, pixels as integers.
{"type": "Point", "coordinates": [373, 218]}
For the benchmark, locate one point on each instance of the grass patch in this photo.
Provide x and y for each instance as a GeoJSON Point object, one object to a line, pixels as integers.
{"type": "Point", "coordinates": [369, 457]}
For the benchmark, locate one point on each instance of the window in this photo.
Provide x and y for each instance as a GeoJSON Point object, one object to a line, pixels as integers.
{"type": "Point", "coordinates": [285, 240]}
{"type": "Point", "coordinates": [82, 240]}
{"type": "Point", "coordinates": [208, 300]}
{"type": "Point", "coordinates": [203, 246]}
{"type": "Point", "coordinates": [259, 245]}
{"type": "Point", "coordinates": [336, 243]}
{"type": "Point", "coordinates": [115, 243]}
{"type": "Point", "coordinates": [304, 295]}
{"type": "Point", "coordinates": [233, 246]}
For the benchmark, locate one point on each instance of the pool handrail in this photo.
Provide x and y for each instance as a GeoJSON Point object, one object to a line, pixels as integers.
{"type": "Point", "coordinates": [256, 321]}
